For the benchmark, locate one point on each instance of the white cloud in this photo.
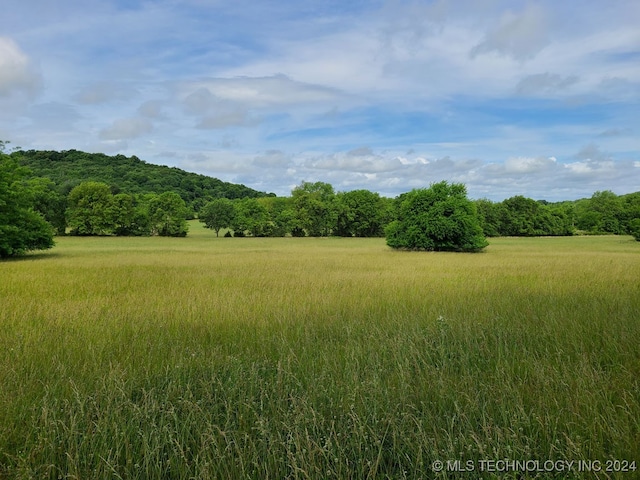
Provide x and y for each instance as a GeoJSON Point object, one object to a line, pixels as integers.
{"type": "Point", "coordinates": [17, 74]}
{"type": "Point", "coordinates": [337, 61]}
{"type": "Point", "coordinates": [579, 167]}
{"type": "Point", "coordinates": [272, 159]}
{"type": "Point", "coordinates": [520, 36]}
{"type": "Point", "coordinates": [225, 119]}
{"type": "Point", "coordinates": [52, 116]}
{"type": "Point", "coordinates": [246, 101]}
{"type": "Point", "coordinates": [593, 153]}
{"type": "Point", "coordinates": [215, 112]}
{"type": "Point", "coordinates": [113, 146]}
{"type": "Point", "coordinates": [545, 83]}
{"type": "Point", "coordinates": [104, 92]}
{"type": "Point", "coordinates": [353, 163]}
{"type": "Point", "coordinates": [255, 92]}
{"type": "Point", "coordinates": [360, 152]}
{"type": "Point", "coordinates": [225, 165]}
{"type": "Point", "coordinates": [126, 128]}
{"type": "Point", "coordinates": [529, 164]}
{"type": "Point", "coordinates": [151, 109]}
{"type": "Point", "coordinates": [591, 168]}
{"type": "Point", "coordinates": [620, 88]}
{"type": "Point", "coordinates": [615, 132]}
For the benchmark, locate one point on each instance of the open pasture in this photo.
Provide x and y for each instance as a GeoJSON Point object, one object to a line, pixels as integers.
{"type": "Point", "coordinates": [205, 357]}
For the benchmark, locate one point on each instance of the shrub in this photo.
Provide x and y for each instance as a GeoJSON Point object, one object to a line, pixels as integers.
{"type": "Point", "coordinates": [439, 218]}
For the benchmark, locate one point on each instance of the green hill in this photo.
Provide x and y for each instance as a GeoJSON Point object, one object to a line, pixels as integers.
{"type": "Point", "coordinates": [128, 174]}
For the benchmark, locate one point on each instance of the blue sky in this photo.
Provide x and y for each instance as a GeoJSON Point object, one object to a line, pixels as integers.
{"type": "Point", "coordinates": [540, 98]}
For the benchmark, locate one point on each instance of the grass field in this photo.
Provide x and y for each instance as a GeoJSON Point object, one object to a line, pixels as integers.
{"type": "Point", "coordinates": [207, 357]}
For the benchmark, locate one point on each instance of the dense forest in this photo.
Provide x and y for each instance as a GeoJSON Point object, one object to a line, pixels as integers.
{"type": "Point", "coordinates": [67, 169]}
{"type": "Point", "coordinates": [603, 213]}
{"type": "Point", "coordinates": [94, 194]}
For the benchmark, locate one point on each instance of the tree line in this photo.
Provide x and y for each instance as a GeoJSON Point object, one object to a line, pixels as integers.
{"type": "Point", "coordinates": [604, 213]}
{"type": "Point", "coordinates": [33, 209]}
{"type": "Point", "coordinates": [314, 209]}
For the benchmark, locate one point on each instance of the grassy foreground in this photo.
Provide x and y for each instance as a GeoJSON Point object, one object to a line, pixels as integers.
{"type": "Point", "coordinates": [210, 357]}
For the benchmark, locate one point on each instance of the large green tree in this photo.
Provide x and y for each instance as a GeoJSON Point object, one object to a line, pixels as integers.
{"type": "Point", "coordinates": [129, 216]}
{"type": "Point", "coordinates": [90, 209]}
{"type": "Point", "coordinates": [21, 228]}
{"type": "Point", "coordinates": [439, 218]}
{"type": "Point", "coordinates": [49, 202]}
{"type": "Point", "coordinates": [218, 214]}
{"type": "Point", "coordinates": [609, 206]}
{"type": "Point", "coordinates": [360, 213]}
{"type": "Point", "coordinates": [631, 207]}
{"type": "Point", "coordinates": [490, 215]}
{"type": "Point", "coordinates": [518, 216]}
{"type": "Point", "coordinates": [604, 212]}
{"type": "Point", "coordinates": [251, 216]}
{"type": "Point", "coordinates": [282, 217]}
{"type": "Point", "coordinates": [315, 208]}
{"type": "Point", "coordinates": [167, 214]}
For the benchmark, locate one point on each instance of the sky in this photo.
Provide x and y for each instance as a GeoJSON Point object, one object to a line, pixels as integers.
{"type": "Point", "coordinates": [534, 98]}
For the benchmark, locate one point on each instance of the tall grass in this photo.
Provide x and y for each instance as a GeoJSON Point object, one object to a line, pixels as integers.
{"type": "Point", "coordinates": [209, 357]}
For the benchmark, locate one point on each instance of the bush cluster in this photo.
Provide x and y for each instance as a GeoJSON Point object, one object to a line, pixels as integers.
{"type": "Point", "coordinates": [93, 210]}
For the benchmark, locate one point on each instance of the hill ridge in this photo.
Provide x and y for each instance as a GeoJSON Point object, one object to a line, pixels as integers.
{"type": "Point", "coordinates": [68, 168]}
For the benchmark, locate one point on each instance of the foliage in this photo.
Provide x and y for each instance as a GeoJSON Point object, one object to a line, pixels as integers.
{"type": "Point", "coordinates": [607, 213]}
{"type": "Point", "coordinates": [90, 208]}
{"type": "Point", "coordinates": [609, 208]}
{"type": "Point", "coordinates": [634, 228]}
{"type": "Point", "coordinates": [94, 210]}
{"type": "Point", "coordinates": [489, 214]}
{"type": "Point", "coordinates": [129, 215]}
{"type": "Point", "coordinates": [603, 213]}
{"type": "Point", "coordinates": [49, 202]}
{"type": "Point", "coordinates": [167, 215]}
{"type": "Point", "coordinates": [439, 218]}
{"type": "Point", "coordinates": [315, 207]}
{"type": "Point", "coordinates": [518, 216]}
{"type": "Point", "coordinates": [218, 214]}
{"type": "Point", "coordinates": [21, 228]}
{"type": "Point", "coordinates": [251, 216]}
{"type": "Point", "coordinates": [23, 232]}
{"type": "Point", "coordinates": [282, 219]}
{"type": "Point", "coordinates": [524, 217]}
{"type": "Point", "coordinates": [630, 211]}
{"type": "Point", "coordinates": [129, 175]}
{"type": "Point", "coordinates": [361, 213]}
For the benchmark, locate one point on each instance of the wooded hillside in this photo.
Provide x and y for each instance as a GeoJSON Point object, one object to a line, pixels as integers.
{"type": "Point", "coordinates": [69, 168]}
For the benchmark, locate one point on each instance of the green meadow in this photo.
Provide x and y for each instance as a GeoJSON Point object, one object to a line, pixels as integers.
{"type": "Point", "coordinates": [205, 357]}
